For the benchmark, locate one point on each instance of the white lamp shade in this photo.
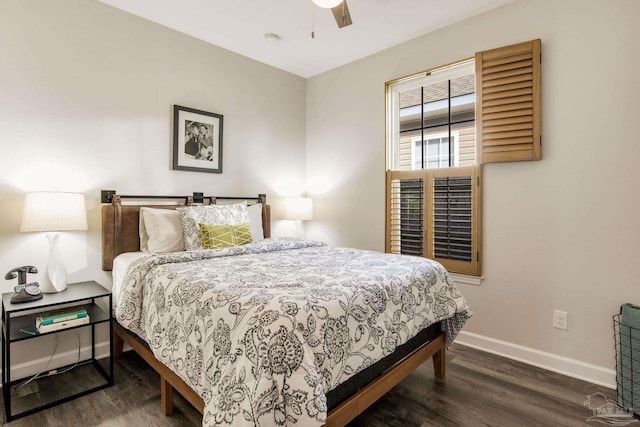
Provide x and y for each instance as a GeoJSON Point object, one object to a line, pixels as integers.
{"type": "Point", "coordinates": [53, 211]}
{"type": "Point", "coordinates": [327, 4]}
{"type": "Point", "coordinates": [298, 209]}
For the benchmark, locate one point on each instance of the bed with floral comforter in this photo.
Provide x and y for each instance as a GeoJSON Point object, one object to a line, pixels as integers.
{"type": "Point", "coordinates": [263, 331]}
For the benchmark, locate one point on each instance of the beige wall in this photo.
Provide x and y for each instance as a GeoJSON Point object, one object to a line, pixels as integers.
{"type": "Point", "coordinates": [86, 95]}
{"type": "Point", "coordinates": [561, 233]}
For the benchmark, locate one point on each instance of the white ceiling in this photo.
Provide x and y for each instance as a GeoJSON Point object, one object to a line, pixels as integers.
{"type": "Point", "coordinates": [240, 26]}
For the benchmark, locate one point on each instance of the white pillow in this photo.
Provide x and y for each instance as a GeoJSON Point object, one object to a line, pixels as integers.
{"type": "Point", "coordinates": [255, 221]}
{"type": "Point", "coordinates": [160, 230]}
{"type": "Point", "coordinates": [142, 232]}
{"type": "Point", "coordinates": [191, 216]}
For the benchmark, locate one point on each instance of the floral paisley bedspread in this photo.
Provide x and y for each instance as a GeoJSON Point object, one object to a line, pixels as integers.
{"type": "Point", "coordinates": [261, 332]}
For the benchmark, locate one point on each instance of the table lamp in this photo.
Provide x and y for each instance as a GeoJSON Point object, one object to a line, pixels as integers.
{"type": "Point", "coordinates": [52, 212]}
{"type": "Point", "coordinates": [327, 4]}
{"type": "Point", "coordinates": [298, 209]}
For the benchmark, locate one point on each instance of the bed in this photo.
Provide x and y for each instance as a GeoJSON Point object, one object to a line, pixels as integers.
{"type": "Point", "coordinates": [277, 331]}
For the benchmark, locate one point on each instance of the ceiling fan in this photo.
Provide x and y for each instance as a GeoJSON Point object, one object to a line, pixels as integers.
{"type": "Point", "coordinates": [340, 10]}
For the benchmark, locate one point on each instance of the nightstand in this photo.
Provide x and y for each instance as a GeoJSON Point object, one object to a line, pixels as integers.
{"type": "Point", "coordinates": [95, 374]}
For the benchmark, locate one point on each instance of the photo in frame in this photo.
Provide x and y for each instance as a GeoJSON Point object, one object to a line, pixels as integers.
{"type": "Point", "coordinates": [197, 140]}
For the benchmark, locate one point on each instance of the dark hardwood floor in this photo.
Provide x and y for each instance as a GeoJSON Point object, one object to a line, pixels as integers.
{"type": "Point", "coordinates": [480, 390]}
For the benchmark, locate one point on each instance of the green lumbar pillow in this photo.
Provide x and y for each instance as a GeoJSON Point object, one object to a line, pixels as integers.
{"type": "Point", "coordinates": [224, 236]}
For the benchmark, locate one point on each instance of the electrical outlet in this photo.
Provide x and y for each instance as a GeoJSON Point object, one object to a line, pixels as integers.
{"type": "Point", "coordinates": [560, 319]}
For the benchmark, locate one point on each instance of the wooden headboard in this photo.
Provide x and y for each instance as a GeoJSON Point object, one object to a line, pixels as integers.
{"type": "Point", "coordinates": [120, 222]}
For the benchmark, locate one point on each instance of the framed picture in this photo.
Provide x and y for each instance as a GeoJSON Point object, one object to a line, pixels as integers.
{"type": "Point", "coordinates": [197, 140]}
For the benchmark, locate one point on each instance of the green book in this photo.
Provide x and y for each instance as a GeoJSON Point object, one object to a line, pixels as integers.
{"type": "Point", "coordinates": [61, 315]}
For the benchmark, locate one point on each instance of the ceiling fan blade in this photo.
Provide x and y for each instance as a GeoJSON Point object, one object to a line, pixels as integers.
{"type": "Point", "coordinates": [342, 15]}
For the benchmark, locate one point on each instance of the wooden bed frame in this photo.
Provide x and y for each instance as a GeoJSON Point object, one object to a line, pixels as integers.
{"type": "Point", "coordinates": [120, 234]}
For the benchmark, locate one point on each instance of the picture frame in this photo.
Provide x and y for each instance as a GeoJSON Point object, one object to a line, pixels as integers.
{"type": "Point", "coordinates": [197, 140]}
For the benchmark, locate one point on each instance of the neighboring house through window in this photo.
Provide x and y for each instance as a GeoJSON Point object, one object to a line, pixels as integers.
{"type": "Point", "coordinates": [434, 152]}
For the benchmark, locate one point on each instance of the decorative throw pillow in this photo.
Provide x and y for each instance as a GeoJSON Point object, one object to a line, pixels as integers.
{"type": "Point", "coordinates": [211, 214]}
{"type": "Point", "coordinates": [224, 236]}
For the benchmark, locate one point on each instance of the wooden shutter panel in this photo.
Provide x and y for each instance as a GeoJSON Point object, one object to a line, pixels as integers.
{"type": "Point", "coordinates": [452, 218]}
{"type": "Point", "coordinates": [454, 237]}
{"type": "Point", "coordinates": [405, 212]}
{"type": "Point", "coordinates": [436, 213]}
{"type": "Point", "coordinates": [508, 103]}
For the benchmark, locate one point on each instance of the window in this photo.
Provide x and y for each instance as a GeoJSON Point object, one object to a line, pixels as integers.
{"type": "Point", "coordinates": [432, 179]}
{"type": "Point", "coordinates": [438, 105]}
{"type": "Point", "coordinates": [441, 125]}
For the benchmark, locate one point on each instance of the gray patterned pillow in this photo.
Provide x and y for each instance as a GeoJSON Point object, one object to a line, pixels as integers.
{"type": "Point", "coordinates": [211, 214]}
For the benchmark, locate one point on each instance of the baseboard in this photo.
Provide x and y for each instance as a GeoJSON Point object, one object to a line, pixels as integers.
{"type": "Point", "coordinates": [32, 367]}
{"type": "Point", "coordinates": [549, 361]}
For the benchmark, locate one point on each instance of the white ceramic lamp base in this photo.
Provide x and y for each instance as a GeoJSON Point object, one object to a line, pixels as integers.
{"type": "Point", "coordinates": [56, 271]}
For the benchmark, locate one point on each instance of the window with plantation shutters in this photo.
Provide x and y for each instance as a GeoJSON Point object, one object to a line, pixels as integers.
{"type": "Point", "coordinates": [433, 185]}
{"type": "Point", "coordinates": [508, 103]}
{"type": "Point", "coordinates": [436, 214]}
{"type": "Point", "coordinates": [442, 125]}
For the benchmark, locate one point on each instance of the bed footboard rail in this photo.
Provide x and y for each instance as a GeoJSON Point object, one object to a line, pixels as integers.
{"type": "Point", "coordinates": [369, 394]}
